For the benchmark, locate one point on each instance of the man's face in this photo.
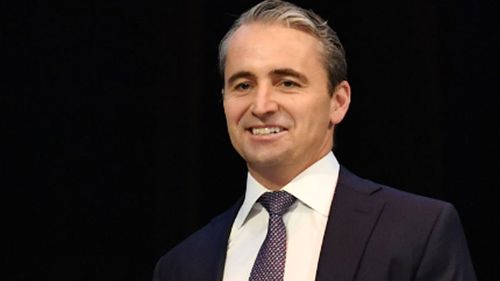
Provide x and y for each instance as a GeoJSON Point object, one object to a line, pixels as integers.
{"type": "Point", "coordinates": [279, 113]}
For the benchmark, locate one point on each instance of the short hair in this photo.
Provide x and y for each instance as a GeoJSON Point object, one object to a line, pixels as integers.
{"type": "Point", "coordinates": [292, 16]}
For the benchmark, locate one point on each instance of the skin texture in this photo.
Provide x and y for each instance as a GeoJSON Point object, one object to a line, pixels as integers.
{"type": "Point", "coordinates": [275, 78]}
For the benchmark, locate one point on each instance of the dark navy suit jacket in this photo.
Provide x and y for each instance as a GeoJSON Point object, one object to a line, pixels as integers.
{"type": "Point", "coordinates": [374, 232]}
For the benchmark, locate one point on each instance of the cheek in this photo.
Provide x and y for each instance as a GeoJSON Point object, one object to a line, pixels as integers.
{"type": "Point", "coordinates": [317, 115]}
{"type": "Point", "coordinates": [228, 111]}
{"type": "Point", "coordinates": [234, 111]}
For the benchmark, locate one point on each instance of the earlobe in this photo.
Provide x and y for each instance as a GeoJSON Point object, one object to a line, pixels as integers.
{"type": "Point", "coordinates": [340, 101]}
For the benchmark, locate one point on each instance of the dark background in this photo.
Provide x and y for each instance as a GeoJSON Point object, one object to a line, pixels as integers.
{"type": "Point", "coordinates": [114, 141]}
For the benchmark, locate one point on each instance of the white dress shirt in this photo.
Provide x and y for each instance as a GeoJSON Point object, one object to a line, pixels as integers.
{"type": "Point", "coordinates": [305, 223]}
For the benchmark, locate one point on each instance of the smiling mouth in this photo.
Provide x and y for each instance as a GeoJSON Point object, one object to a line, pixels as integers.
{"type": "Point", "coordinates": [264, 131]}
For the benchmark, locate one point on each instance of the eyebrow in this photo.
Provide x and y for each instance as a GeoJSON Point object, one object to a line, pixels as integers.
{"type": "Point", "coordinates": [240, 74]}
{"type": "Point", "coordinates": [274, 72]}
{"type": "Point", "coordinates": [290, 72]}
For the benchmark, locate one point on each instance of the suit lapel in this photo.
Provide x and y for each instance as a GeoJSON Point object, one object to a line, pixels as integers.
{"type": "Point", "coordinates": [352, 218]}
{"type": "Point", "coordinates": [222, 225]}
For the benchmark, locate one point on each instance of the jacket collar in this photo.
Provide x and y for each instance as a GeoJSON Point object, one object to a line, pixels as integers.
{"type": "Point", "coordinates": [353, 215]}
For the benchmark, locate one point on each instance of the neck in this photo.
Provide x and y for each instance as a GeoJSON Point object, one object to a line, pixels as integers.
{"type": "Point", "coordinates": [272, 179]}
{"type": "Point", "coordinates": [276, 177]}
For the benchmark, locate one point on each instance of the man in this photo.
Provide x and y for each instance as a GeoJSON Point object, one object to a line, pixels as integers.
{"type": "Point", "coordinates": [284, 92]}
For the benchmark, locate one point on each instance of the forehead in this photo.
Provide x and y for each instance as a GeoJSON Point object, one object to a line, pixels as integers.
{"type": "Point", "coordinates": [272, 45]}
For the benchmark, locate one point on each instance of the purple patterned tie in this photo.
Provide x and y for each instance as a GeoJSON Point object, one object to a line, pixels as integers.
{"type": "Point", "coordinates": [270, 262]}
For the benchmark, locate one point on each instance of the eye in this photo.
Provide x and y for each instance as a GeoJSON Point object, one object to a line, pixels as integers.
{"type": "Point", "coordinates": [242, 86]}
{"type": "Point", "coordinates": [289, 84]}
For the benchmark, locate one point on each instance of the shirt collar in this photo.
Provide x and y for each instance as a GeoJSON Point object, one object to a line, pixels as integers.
{"type": "Point", "coordinates": [314, 187]}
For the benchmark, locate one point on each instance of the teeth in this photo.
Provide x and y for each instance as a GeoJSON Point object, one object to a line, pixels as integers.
{"type": "Point", "coordinates": [266, 130]}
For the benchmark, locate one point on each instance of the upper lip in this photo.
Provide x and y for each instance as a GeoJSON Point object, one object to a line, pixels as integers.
{"type": "Point", "coordinates": [265, 126]}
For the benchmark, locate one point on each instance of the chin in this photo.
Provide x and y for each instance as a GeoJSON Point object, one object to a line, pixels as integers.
{"type": "Point", "coordinates": [264, 161]}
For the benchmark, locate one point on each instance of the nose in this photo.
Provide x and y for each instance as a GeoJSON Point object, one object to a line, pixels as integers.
{"type": "Point", "coordinates": [264, 102]}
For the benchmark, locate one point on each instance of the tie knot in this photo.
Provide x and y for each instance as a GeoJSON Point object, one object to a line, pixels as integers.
{"type": "Point", "coordinates": [277, 203]}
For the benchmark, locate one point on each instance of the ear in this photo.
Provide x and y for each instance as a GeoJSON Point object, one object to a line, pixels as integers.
{"type": "Point", "coordinates": [339, 103]}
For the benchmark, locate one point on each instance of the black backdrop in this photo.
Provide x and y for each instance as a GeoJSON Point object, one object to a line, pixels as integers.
{"type": "Point", "coordinates": [115, 146]}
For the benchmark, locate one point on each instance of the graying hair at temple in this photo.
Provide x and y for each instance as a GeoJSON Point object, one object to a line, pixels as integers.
{"type": "Point", "coordinates": [290, 15]}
